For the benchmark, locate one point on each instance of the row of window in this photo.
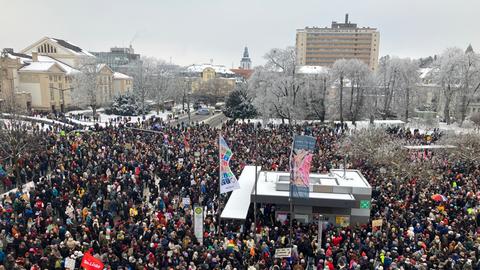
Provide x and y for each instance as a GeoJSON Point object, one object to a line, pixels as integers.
{"type": "Point", "coordinates": [54, 89]}
{"type": "Point", "coordinates": [58, 78]}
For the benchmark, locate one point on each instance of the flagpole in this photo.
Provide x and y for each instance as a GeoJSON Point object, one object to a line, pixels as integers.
{"type": "Point", "coordinates": [256, 180]}
{"type": "Point", "coordinates": [219, 183]}
{"type": "Point", "coordinates": [290, 194]}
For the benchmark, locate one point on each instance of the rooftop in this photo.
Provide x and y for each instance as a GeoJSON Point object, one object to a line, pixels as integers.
{"type": "Point", "coordinates": [118, 75]}
{"type": "Point", "coordinates": [198, 68]}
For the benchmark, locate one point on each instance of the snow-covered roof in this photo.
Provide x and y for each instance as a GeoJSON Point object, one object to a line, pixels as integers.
{"type": "Point", "coordinates": [197, 68]}
{"type": "Point", "coordinates": [43, 64]}
{"type": "Point", "coordinates": [118, 75]}
{"type": "Point", "coordinates": [312, 70]}
{"type": "Point", "coordinates": [68, 69]}
{"type": "Point", "coordinates": [38, 66]}
{"type": "Point", "coordinates": [71, 47]}
{"type": "Point", "coordinates": [424, 72]}
{"type": "Point", "coordinates": [24, 58]}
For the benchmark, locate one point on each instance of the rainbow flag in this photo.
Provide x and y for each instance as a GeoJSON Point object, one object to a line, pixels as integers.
{"type": "Point", "coordinates": [228, 181]}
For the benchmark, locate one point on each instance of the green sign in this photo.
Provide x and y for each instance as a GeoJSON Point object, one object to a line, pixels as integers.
{"type": "Point", "coordinates": [365, 204]}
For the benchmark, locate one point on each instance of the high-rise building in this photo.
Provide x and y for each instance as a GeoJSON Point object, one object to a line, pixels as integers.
{"type": "Point", "coordinates": [323, 46]}
{"type": "Point", "coordinates": [246, 63]}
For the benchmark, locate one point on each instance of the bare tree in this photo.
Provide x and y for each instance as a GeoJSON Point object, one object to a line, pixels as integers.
{"type": "Point", "coordinates": [317, 93]}
{"type": "Point", "coordinates": [470, 81]}
{"type": "Point", "coordinates": [86, 84]}
{"type": "Point", "coordinates": [284, 91]}
{"type": "Point", "coordinates": [360, 77]}
{"type": "Point", "coordinates": [339, 71]}
{"type": "Point", "coordinates": [448, 75]}
{"type": "Point", "coordinates": [164, 83]}
{"type": "Point", "coordinates": [144, 80]}
{"type": "Point", "coordinates": [387, 79]}
{"type": "Point", "coordinates": [18, 140]}
{"type": "Point", "coordinates": [408, 71]}
{"type": "Point", "coordinates": [467, 147]}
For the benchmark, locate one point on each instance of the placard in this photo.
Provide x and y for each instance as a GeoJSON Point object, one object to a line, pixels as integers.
{"type": "Point", "coordinates": [198, 223]}
{"type": "Point", "coordinates": [342, 221]}
{"type": "Point", "coordinates": [377, 223]}
{"type": "Point", "coordinates": [69, 263]}
{"type": "Point", "coordinates": [283, 253]}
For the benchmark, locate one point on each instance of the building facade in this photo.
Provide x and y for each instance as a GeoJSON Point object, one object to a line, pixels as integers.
{"type": "Point", "coordinates": [323, 46]}
{"type": "Point", "coordinates": [10, 96]}
{"type": "Point", "coordinates": [60, 50]}
{"type": "Point", "coordinates": [210, 82]}
{"type": "Point", "coordinates": [122, 84]}
{"type": "Point", "coordinates": [119, 59]}
{"type": "Point", "coordinates": [105, 92]}
{"type": "Point", "coordinates": [43, 76]}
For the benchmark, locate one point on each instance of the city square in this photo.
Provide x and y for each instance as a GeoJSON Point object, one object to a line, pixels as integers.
{"type": "Point", "coordinates": [327, 152]}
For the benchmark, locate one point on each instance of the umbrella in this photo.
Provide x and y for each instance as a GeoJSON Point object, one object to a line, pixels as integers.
{"type": "Point", "coordinates": [439, 198]}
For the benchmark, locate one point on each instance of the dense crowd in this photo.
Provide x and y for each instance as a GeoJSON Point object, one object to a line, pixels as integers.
{"type": "Point", "coordinates": [117, 193]}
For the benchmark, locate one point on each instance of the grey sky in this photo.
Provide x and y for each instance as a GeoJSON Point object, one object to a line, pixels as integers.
{"type": "Point", "coordinates": [195, 31]}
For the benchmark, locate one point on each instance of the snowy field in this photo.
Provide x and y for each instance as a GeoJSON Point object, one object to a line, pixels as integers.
{"type": "Point", "coordinates": [7, 123]}
{"type": "Point", "coordinates": [452, 128]}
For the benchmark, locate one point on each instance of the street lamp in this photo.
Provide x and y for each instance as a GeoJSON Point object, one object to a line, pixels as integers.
{"type": "Point", "coordinates": [62, 90]}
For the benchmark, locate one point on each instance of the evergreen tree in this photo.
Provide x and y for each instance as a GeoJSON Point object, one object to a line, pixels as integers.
{"type": "Point", "coordinates": [239, 105]}
{"type": "Point", "coordinates": [126, 105]}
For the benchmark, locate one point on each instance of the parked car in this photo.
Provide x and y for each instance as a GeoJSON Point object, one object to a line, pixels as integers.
{"type": "Point", "coordinates": [203, 111]}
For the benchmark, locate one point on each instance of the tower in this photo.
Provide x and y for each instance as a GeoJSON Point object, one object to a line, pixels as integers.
{"type": "Point", "coordinates": [246, 63]}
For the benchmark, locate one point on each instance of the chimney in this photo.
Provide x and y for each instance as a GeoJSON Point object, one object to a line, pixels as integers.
{"type": "Point", "coordinates": [346, 18]}
{"type": "Point", "coordinates": [35, 56]}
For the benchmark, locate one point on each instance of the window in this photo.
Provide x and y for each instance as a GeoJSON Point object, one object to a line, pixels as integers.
{"type": "Point", "coordinates": [52, 96]}
{"type": "Point", "coordinates": [55, 78]}
{"type": "Point", "coordinates": [50, 77]}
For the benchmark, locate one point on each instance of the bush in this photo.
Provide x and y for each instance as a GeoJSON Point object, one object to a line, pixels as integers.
{"type": "Point", "coordinates": [126, 105]}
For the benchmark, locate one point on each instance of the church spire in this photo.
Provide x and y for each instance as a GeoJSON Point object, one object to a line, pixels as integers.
{"type": "Point", "coordinates": [246, 63]}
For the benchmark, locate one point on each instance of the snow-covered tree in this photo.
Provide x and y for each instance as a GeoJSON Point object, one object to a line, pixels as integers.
{"type": "Point", "coordinates": [360, 77]}
{"type": "Point", "coordinates": [408, 79]}
{"type": "Point", "coordinates": [470, 81]}
{"type": "Point", "coordinates": [316, 91]}
{"type": "Point", "coordinates": [143, 80]}
{"type": "Point", "coordinates": [85, 92]}
{"type": "Point", "coordinates": [281, 90]}
{"type": "Point", "coordinates": [126, 105]}
{"type": "Point", "coordinates": [387, 77]}
{"type": "Point", "coordinates": [164, 83]}
{"type": "Point", "coordinates": [449, 76]}
{"type": "Point", "coordinates": [239, 104]}
{"type": "Point", "coordinates": [339, 72]}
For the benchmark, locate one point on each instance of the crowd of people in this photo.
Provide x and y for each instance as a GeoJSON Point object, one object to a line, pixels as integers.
{"type": "Point", "coordinates": [117, 193]}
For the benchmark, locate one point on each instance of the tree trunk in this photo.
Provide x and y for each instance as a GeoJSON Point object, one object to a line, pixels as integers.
{"type": "Point", "coordinates": [463, 109]}
{"type": "Point", "coordinates": [323, 109]}
{"type": "Point", "coordinates": [341, 99]}
{"type": "Point", "coordinates": [446, 109]}
{"type": "Point", "coordinates": [351, 101]}
{"type": "Point", "coordinates": [407, 103]}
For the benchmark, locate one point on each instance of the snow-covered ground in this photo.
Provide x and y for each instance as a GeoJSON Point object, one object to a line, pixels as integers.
{"type": "Point", "coordinates": [452, 128]}
{"type": "Point", "coordinates": [44, 119]}
{"type": "Point", "coordinates": [104, 118]}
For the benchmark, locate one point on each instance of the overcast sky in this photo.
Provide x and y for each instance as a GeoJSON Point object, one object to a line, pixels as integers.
{"type": "Point", "coordinates": [195, 31]}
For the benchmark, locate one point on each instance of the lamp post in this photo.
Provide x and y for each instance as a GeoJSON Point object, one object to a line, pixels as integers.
{"type": "Point", "coordinates": [62, 90]}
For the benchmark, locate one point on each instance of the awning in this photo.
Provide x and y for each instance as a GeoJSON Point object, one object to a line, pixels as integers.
{"type": "Point", "coordinates": [239, 201]}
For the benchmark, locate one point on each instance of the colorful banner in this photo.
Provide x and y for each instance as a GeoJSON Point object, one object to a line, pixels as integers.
{"type": "Point", "coordinates": [300, 161]}
{"type": "Point", "coordinates": [91, 263]}
{"type": "Point", "coordinates": [228, 181]}
{"type": "Point", "coordinates": [198, 223]}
